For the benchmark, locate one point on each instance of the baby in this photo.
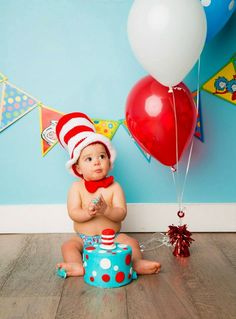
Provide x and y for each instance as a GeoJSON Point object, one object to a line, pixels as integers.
{"type": "Point", "coordinates": [95, 202]}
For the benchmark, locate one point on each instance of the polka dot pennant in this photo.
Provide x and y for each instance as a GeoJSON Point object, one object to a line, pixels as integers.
{"type": "Point", "coordinates": [106, 127]}
{"type": "Point", "coordinates": [2, 77]}
{"type": "Point", "coordinates": [14, 104]}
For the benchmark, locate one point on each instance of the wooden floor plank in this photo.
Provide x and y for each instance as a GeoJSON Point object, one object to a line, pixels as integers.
{"type": "Point", "coordinates": [226, 243]}
{"type": "Point", "coordinates": [160, 296]}
{"type": "Point", "coordinates": [33, 290]}
{"type": "Point", "coordinates": [201, 286]}
{"type": "Point", "coordinates": [11, 248]}
{"type": "Point", "coordinates": [80, 300]}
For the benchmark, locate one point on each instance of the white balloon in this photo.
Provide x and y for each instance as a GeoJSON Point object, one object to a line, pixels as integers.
{"type": "Point", "coordinates": [167, 37]}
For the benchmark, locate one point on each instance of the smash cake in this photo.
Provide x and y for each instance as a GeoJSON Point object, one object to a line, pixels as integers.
{"type": "Point", "coordinates": [108, 264]}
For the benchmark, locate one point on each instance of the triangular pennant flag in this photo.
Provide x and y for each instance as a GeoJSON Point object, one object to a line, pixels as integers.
{"type": "Point", "coordinates": [2, 88]}
{"type": "Point", "coordinates": [15, 103]}
{"type": "Point", "coordinates": [48, 121]}
{"type": "Point", "coordinates": [3, 78]}
{"type": "Point", "coordinates": [223, 83]}
{"type": "Point", "coordinates": [199, 128]}
{"type": "Point", "coordinates": [106, 127]}
{"type": "Point", "coordinates": [145, 154]}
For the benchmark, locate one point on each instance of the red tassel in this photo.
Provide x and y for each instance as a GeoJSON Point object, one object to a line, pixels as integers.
{"type": "Point", "coordinates": [180, 237]}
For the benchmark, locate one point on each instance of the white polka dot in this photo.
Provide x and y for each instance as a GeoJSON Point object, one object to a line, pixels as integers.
{"type": "Point", "coordinates": [206, 3]}
{"type": "Point", "coordinates": [231, 5]}
{"type": "Point", "coordinates": [116, 268]}
{"type": "Point", "coordinates": [101, 251]}
{"type": "Point", "coordinates": [94, 273]}
{"type": "Point", "coordinates": [85, 264]}
{"type": "Point", "coordinates": [131, 271]}
{"type": "Point", "coordinates": [122, 246]}
{"type": "Point", "coordinates": [105, 263]}
{"type": "Point", "coordinates": [119, 251]}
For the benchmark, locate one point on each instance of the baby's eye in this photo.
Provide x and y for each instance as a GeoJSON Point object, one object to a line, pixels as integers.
{"type": "Point", "coordinates": [102, 156]}
{"type": "Point", "coordinates": [88, 159]}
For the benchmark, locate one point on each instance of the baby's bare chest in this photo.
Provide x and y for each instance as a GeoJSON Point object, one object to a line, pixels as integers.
{"type": "Point", "coordinates": [87, 197]}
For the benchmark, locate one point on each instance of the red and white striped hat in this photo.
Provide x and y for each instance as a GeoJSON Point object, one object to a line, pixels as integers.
{"type": "Point", "coordinates": [75, 131]}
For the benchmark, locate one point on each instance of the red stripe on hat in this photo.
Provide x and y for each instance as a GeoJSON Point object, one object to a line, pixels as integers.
{"type": "Point", "coordinates": [72, 155]}
{"type": "Point", "coordinates": [66, 118]}
{"type": "Point", "coordinates": [76, 130]}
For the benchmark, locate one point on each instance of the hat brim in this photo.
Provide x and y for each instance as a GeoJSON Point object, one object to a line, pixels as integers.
{"type": "Point", "coordinates": [92, 138]}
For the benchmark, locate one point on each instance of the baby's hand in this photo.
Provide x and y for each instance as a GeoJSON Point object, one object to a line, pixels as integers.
{"type": "Point", "coordinates": [101, 205]}
{"type": "Point", "coordinates": [94, 206]}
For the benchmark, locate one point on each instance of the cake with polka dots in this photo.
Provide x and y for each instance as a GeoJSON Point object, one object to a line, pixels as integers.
{"type": "Point", "coordinates": [108, 264]}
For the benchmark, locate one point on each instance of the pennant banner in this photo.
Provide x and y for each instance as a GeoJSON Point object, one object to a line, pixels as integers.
{"type": "Point", "coordinates": [48, 121]}
{"type": "Point", "coordinates": [223, 83]}
{"type": "Point", "coordinates": [2, 78]}
{"type": "Point", "coordinates": [106, 127]}
{"type": "Point", "coordinates": [145, 154]}
{"type": "Point", "coordinates": [15, 103]}
{"type": "Point", "coordinates": [199, 128]}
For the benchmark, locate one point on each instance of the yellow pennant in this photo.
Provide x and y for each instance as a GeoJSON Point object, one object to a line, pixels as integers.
{"type": "Point", "coordinates": [106, 127]}
{"type": "Point", "coordinates": [223, 83]}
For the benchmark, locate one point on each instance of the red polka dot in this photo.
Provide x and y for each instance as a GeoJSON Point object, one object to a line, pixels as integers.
{"type": "Point", "coordinates": [113, 253]}
{"type": "Point", "coordinates": [90, 248]}
{"type": "Point", "coordinates": [129, 276]}
{"type": "Point", "coordinates": [125, 248]}
{"type": "Point", "coordinates": [128, 259]}
{"type": "Point", "coordinates": [87, 257]}
{"type": "Point", "coordinates": [120, 276]}
{"type": "Point", "coordinates": [106, 278]}
{"type": "Point", "coordinates": [91, 279]}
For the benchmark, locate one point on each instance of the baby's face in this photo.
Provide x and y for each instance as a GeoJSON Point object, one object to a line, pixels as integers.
{"type": "Point", "coordinates": [93, 163]}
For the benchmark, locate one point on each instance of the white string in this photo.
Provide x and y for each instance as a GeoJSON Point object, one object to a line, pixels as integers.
{"type": "Point", "coordinates": [191, 147]}
{"type": "Point", "coordinates": [176, 181]}
{"type": "Point", "coordinates": [180, 193]}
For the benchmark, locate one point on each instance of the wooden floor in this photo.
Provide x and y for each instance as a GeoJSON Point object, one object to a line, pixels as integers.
{"type": "Point", "coordinates": [201, 286]}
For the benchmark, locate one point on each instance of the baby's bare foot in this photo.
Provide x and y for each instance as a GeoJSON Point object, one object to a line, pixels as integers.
{"type": "Point", "coordinates": [145, 267]}
{"type": "Point", "coordinates": [72, 269]}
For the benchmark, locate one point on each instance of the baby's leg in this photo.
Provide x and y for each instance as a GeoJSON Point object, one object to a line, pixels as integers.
{"type": "Point", "coordinates": [141, 266]}
{"type": "Point", "coordinates": [71, 252]}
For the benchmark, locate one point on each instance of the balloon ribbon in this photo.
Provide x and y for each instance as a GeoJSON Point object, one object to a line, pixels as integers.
{"type": "Point", "coordinates": [181, 239]}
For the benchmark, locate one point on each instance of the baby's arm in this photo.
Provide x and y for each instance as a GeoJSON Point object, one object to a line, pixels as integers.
{"type": "Point", "coordinates": [118, 210]}
{"type": "Point", "coordinates": [74, 206]}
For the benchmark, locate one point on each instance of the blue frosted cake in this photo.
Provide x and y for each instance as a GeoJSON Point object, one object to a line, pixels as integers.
{"type": "Point", "coordinates": [108, 264]}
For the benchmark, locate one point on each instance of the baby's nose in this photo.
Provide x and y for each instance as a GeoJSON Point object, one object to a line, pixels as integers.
{"type": "Point", "coordinates": [97, 161]}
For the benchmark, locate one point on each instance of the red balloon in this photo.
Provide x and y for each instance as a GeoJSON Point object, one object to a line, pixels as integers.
{"type": "Point", "coordinates": [150, 118]}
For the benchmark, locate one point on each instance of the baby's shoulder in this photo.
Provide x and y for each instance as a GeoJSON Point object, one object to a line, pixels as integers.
{"type": "Point", "coordinates": [76, 186]}
{"type": "Point", "coordinates": [116, 185]}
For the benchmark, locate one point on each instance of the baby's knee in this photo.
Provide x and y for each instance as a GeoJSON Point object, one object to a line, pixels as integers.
{"type": "Point", "coordinates": [69, 245]}
{"type": "Point", "coordinates": [125, 239]}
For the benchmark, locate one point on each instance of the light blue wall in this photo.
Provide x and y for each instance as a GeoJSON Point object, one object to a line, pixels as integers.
{"type": "Point", "coordinates": [74, 55]}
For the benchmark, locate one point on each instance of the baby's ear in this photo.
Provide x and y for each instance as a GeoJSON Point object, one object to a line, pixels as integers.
{"type": "Point", "coordinates": [78, 169]}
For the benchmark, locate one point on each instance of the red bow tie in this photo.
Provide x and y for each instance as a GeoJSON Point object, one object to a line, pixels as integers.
{"type": "Point", "coordinates": [92, 186]}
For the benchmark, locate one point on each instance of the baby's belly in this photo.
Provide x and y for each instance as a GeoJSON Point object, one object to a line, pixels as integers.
{"type": "Point", "coordinates": [96, 225]}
